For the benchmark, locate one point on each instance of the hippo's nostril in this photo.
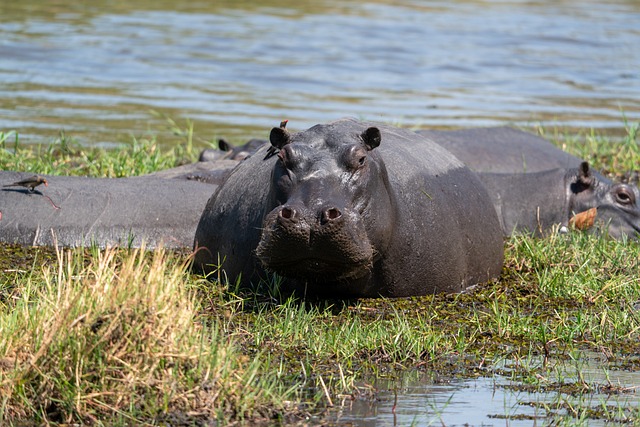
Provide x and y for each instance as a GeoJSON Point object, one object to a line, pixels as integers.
{"type": "Point", "coordinates": [287, 213]}
{"type": "Point", "coordinates": [331, 215]}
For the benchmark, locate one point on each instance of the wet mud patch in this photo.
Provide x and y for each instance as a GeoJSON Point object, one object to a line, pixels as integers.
{"type": "Point", "coordinates": [16, 258]}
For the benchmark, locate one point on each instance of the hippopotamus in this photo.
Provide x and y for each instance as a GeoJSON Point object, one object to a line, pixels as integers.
{"type": "Point", "coordinates": [536, 186]}
{"type": "Point", "coordinates": [207, 171]}
{"type": "Point", "coordinates": [80, 211]}
{"type": "Point", "coordinates": [352, 209]}
{"type": "Point", "coordinates": [226, 151]}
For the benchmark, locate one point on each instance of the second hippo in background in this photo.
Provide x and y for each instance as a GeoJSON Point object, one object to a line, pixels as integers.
{"type": "Point", "coordinates": [209, 172]}
{"type": "Point", "coordinates": [226, 151]}
{"type": "Point", "coordinates": [73, 211]}
{"type": "Point", "coordinates": [534, 185]}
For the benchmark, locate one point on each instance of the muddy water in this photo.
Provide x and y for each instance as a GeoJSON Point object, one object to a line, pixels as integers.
{"type": "Point", "coordinates": [479, 402]}
{"type": "Point", "coordinates": [237, 68]}
{"type": "Point", "coordinates": [418, 400]}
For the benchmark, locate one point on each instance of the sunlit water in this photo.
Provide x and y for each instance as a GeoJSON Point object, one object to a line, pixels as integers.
{"type": "Point", "coordinates": [237, 68]}
{"type": "Point", "coordinates": [496, 400]}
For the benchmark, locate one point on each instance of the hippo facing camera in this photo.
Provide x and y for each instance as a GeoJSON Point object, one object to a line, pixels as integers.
{"type": "Point", "coordinates": [350, 209]}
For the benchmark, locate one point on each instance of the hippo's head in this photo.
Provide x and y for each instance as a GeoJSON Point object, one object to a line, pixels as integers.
{"type": "Point", "coordinates": [332, 210]}
{"type": "Point", "coordinates": [616, 203]}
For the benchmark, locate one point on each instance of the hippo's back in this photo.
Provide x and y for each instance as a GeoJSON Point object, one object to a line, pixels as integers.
{"type": "Point", "coordinates": [445, 220]}
{"type": "Point", "coordinates": [502, 150]}
{"type": "Point", "coordinates": [80, 211]}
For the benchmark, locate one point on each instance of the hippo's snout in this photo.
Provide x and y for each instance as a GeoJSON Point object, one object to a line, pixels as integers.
{"type": "Point", "coordinates": [289, 214]}
{"type": "Point", "coordinates": [301, 242]}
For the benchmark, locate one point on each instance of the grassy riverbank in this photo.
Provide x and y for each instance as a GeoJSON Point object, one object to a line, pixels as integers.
{"type": "Point", "coordinates": [122, 337]}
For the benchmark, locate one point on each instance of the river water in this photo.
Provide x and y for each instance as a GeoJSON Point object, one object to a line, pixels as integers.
{"type": "Point", "coordinates": [415, 399]}
{"type": "Point", "coordinates": [236, 68]}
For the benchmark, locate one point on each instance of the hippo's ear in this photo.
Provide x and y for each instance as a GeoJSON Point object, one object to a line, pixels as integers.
{"type": "Point", "coordinates": [585, 177]}
{"type": "Point", "coordinates": [371, 137]}
{"type": "Point", "coordinates": [279, 137]}
{"type": "Point", "coordinates": [224, 145]}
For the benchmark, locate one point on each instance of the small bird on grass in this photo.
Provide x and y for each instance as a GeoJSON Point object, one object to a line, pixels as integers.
{"type": "Point", "coordinates": [29, 183]}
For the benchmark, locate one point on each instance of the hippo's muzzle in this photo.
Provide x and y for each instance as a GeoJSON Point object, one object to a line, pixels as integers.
{"type": "Point", "coordinates": [328, 243]}
{"type": "Point", "coordinates": [619, 223]}
{"type": "Point", "coordinates": [288, 216]}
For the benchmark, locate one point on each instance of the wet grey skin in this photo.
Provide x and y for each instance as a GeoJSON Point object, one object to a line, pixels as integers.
{"type": "Point", "coordinates": [349, 209]}
{"type": "Point", "coordinates": [80, 211]}
{"type": "Point", "coordinates": [535, 186]}
{"type": "Point", "coordinates": [226, 151]}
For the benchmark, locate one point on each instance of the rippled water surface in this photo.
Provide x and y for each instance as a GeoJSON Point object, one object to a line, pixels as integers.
{"type": "Point", "coordinates": [497, 401]}
{"type": "Point", "coordinates": [237, 68]}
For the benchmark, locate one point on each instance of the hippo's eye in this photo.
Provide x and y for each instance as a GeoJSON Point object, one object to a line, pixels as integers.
{"type": "Point", "coordinates": [624, 196]}
{"type": "Point", "coordinates": [355, 158]}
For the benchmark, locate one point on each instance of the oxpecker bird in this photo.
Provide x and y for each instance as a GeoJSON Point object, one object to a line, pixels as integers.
{"type": "Point", "coordinates": [30, 183]}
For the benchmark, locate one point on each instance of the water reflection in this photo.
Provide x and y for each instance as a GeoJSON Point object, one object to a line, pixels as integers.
{"type": "Point", "coordinates": [414, 400]}
{"type": "Point", "coordinates": [477, 402]}
{"type": "Point", "coordinates": [238, 68]}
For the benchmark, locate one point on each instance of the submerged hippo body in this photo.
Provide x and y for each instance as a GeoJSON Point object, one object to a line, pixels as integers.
{"type": "Point", "coordinates": [80, 211]}
{"type": "Point", "coordinates": [502, 150]}
{"type": "Point", "coordinates": [535, 186]}
{"type": "Point", "coordinates": [349, 209]}
{"type": "Point", "coordinates": [226, 151]}
{"type": "Point", "coordinates": [207, 171]}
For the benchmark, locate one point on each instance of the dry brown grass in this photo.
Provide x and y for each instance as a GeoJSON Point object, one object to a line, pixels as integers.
{"type": "Point", "coordinates": [116, 337]}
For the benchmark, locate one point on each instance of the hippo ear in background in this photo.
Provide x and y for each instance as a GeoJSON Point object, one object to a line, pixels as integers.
{"type": "Point", "coordinates": [585, 177]}
{"type": "Point", "coordinates": [224, 145]}
{"type": "Point", "coordinates": [371, 138]}
{"type": "Point", "coordinates": [583, 180]}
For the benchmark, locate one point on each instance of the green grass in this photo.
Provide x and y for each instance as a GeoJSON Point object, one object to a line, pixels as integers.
{"type": "Point", "coordinates": [117, 337]}
{"type": "Point", "coordinates": [65, 156]}
{"type": "Point", "coordinates": [613, 158]}
{"type": "Point", "coordinates": [128, 336]}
